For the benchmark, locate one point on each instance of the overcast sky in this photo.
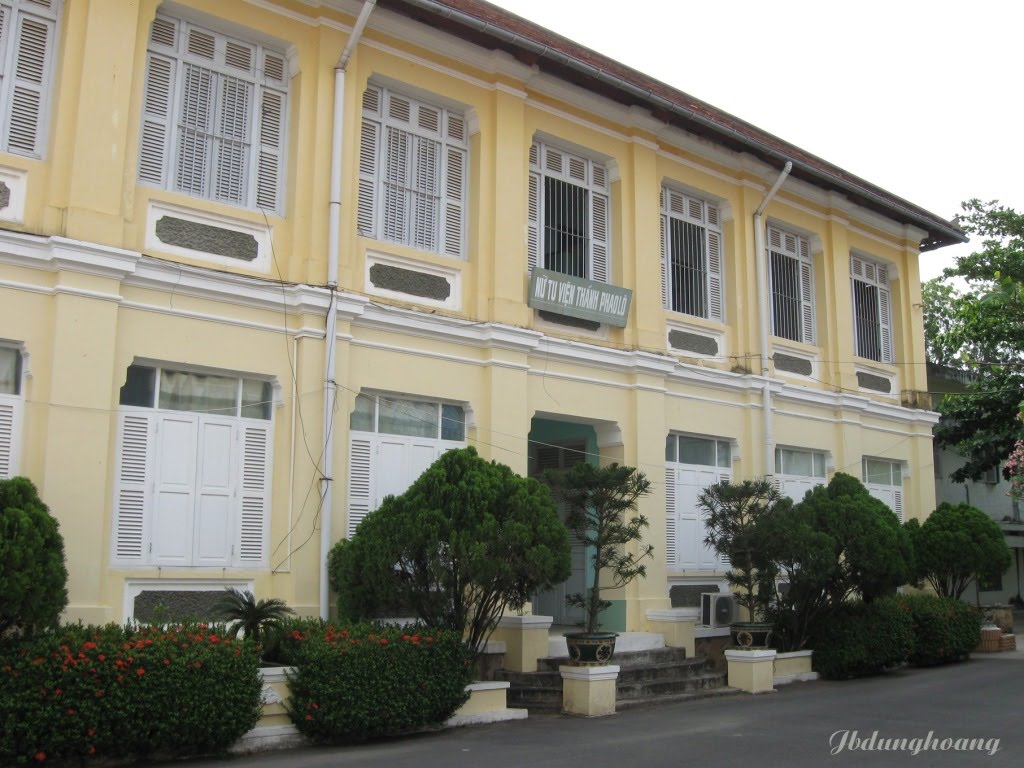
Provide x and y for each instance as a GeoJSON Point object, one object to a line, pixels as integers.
{"type": "Point", "coordinates": [921, 98]}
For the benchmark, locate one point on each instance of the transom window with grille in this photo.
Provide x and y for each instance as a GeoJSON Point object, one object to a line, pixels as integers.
{"type": "Point", "coordinates": [27, 51]}
{"type": "Point", "coordinates": [872, 323]}
{"type": "Point", "coordinates": [11, 406]}
{"type": "Point", "coordinates": [192, 484]}
{"type": "Point", "coordinates": [391, 442]}
{"type": "Point", "coordinates": [691, 256]}
{"type": "Point", "coordinates": [884, 480]}
{"type": "Point", "coordinates": [413, 158]}
{"type": "Point", "coordinates": [568, 213]}
{"type": "Point", "coordinates": [214, 116]}
{"type": "Point", "coordinates": [792, 286]}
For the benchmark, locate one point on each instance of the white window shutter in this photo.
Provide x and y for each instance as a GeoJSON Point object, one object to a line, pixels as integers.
{"type": "Point", "coordinates": [231, 149]}
{"type": "Point", "coordinates": [254, 515]}
{"type": "Point", "coordinates": [394, 206]}
{"type": "Point", "coordinates": [664, 261]}
{"type": "Point", "coordinates": [5, 37]}
{"type": "Point", "coordinates": [10, 429]}
{"type": "Point", "coordinates": [533, 233]}
{"type": "Point", "coordinates": [599, 237]}
{"type": "Point", "coordinates": [155, 141]}
{"type": "Point", "coordinates": [195, 130]}
{"type": "Point", "coordinates": [807, 302]}
{"type": "Point", "coordinates": [424, 188]}
{"type": "Point", "coordinates": [716, 303]}
{"type": "Point", "coordinates": [885, 323]}
{"type": "Point", "coordinates": [454, 229]}
{"type": "Point", "coordinates": [369, 149]}
{"type": "Point", "coordinates": [270, 157]}
{"type": "Point", "coordinates": [131, 497]}
{"type": "Point", "coordinates": [360, 480]}
{"type": "Point", "coordinates": [897, 503]}
{"type": "Point", "coordinates": [722, 561]}
{"type": "Point", "coordinates": [29, 86]}
{"type": "Point", "coordinates": [670, 517]}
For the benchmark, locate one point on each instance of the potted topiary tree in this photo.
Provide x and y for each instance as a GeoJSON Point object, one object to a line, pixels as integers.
{"type": "Point", "coordinates": [733, 512]}
{"type": "Point", "coordinates": [601, 509]}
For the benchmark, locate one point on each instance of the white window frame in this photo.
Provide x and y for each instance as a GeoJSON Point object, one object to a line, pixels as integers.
{"type": "Point", "coordinates": [706, 216]}
{"type": "Point", "coordinates": [676, 472]}
{"type": "Point", "coordinates": [365, 491]}
{"type": "Point", "coordinates": [577, 170]}
{"type": "Point", "coordinates": [137, 481]}
{"type": "Point", "coordinates": [892, 492]}
{"type": "Point", "coordinates": [26, 85]}
{"type": "Point", "coordinates": [874, 275]}
{"type": "Point", "coordinates": [795, 486]}
{"type": "Point", "coordinates": [252, 179]}
{"type": "Point", "coordinates": [397, 135]}
{"type": "Point", "coordinates": [784, 244]}
{"type": "Point", "coordinates": [12, 409]}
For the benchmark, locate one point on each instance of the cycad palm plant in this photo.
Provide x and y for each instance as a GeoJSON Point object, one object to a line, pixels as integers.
{"type": "Point", "coordinates": [260, 621]}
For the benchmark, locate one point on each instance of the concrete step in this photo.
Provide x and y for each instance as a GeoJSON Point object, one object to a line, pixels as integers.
{"type": "Point", "coordinates": [689, 667]}
{"type": "Point", "coordinates": [668, 686]}
{"type": "Point", "coordinates": [675, 698]}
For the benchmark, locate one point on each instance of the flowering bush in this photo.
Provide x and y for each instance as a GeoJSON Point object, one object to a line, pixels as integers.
{"type": "Point", "coordinates": [111, 692]}
{"type": "Point", "coordinates": [945, 629]}
{"type": "Point", "coordinates": [359, 682]}
{"type": "Point", "coordinates": [1015, 468]}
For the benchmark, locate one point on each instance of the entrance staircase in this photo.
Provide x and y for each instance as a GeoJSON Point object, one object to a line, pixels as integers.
{"type": "Point", "coordinates": [646, 677]}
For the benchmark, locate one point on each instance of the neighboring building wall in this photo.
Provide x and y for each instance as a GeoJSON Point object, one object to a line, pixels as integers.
{"type": "Point", "coordinates": [106, 268]}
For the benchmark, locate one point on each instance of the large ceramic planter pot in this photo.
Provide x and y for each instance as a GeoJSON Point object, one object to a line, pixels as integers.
{"type": "Point", "coordinates": [750, 634]}
{"type": "Point", "coordinates": [587, 650]}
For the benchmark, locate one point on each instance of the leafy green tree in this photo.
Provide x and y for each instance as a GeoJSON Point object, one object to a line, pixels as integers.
{"type": "Point", "coordinates": [601, 512]}
{"type": "Point", "coordinates": [33, 577]}
{"type": "Point", "coordinates": [734, 512]}
{"type": "Point", "coordinates": [871, 553]}
{"type": "Point", "coordinates": [260, 621]}
{"type": "Point", "coordinates": [980, 330]}
{"type": "Point", "coordinates": [956, 544]}
{"type": "Point", "coordinates": [467, 539]}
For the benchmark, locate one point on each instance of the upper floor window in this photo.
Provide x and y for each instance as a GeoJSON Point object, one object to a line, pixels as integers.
{"type": "Point", "coordinates": [884, 481]}
{"type": "Point", "coordinates": [872, 323]}
{"type": "Point", "coordinates": [800, 463]}
{"type": "Point", "coordinates": [10, 409]}
{"type": "Point", "coordinates": [792, 286]}
{"type": "Point", "coordinates": [568, 211]}
{"type": "Point", "coordinates": [214, 116]}
{"type": "Point", "coordinates": [702, 451]}
{"type": "Point", "coordinates": [171, 390]}
{"type": "Point", "coordinates": [26, 73]}
{"type": "Point", "coordinates": [691, 256]}
{"type": "Point", "coordinates": [413, 158]}
{"type": "Point", "coordinates": [10, 371]}
{"type": "Point", "coordinates": [412, 418]}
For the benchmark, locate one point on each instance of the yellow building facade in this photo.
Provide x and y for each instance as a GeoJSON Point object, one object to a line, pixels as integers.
{"type": "Point", "coordinates": [193, 191]}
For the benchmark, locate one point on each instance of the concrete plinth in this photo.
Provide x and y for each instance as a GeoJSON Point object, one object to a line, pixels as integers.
{"type": "Point", "coordinates": [677, 626]}
{"type": "Point", "coordinates": [751, 671]}
{"type": "Point", "coordinates": [588, 691]}
{"type": "Point", "coordinates": [525, 639]}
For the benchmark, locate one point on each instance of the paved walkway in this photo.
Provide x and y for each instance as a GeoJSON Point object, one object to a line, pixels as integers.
{"type": "Point", "coordinates": [979, 699]}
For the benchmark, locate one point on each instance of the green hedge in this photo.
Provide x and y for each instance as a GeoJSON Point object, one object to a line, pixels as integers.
{"type": "Point", "coordinates": [359, 682]}
{"type": "Point", "coordinates": [863, 639]}
{"type": "Point", "coordinates": [109, 692]}
{"type": "Point", "coordinates": [945, 629]}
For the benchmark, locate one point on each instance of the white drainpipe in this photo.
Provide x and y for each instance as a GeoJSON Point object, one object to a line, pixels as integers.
{"type": "Point", "coordinates": [330, 333]}
{"type": "Point", "coordinates": [761, 257]}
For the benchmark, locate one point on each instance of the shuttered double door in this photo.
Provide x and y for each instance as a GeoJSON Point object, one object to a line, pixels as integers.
{"type": "Point", "coordinates": [685, 549]}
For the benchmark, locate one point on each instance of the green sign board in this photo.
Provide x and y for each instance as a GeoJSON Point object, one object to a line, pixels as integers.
{"type": "Point", "coordinates": [578, 297]}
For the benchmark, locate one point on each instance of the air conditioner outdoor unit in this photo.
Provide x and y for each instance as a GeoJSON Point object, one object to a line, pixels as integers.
{"type": "Point", "coordinates": [716, 609]}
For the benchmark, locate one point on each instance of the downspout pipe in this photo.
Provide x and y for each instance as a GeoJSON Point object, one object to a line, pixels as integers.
{"type": "Point", "coordinates": [331, 325]}
{"type": "Point", "coordinates": [761, 257]}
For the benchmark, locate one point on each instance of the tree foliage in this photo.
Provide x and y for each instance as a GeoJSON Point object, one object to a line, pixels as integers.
{"type": "Point", "coordinates": [956, 544]}
{"type": "Point", "coordinates": [467, 539]}
{"type": "Point", "coordinates": [981, 330]}
{"type": "Point", "coordinates": [33, 577]}
{"type": "Point", "coordinates": [601, 509]}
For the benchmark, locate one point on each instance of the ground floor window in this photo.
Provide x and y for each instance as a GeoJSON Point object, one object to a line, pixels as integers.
{"type": "Point", "coordinates": [692, 464]}
{"type": "Point", "coordinates": [10, 409]}
{"type": "Point", "coordinates": [884, 480]}
{"type": "Point", "coordinates": [193, 469]}
{"type": "Point", "coordinates": [797, 471]}
{"type": "Point", "coordinates": [391, 442]}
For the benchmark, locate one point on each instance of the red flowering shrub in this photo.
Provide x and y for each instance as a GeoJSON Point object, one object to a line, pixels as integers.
{"type": "Point", "coordinates": [945, 629]}
{"type": "Point", "coordinates": [359, 682]}
{"type": "Point", "coordinates": [82, 692]}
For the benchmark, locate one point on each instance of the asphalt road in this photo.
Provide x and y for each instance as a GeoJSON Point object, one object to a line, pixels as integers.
{"type": "Point", "coordinates": [981, 699]}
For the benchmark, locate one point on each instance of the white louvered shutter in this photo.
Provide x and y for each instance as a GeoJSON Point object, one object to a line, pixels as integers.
{"type": "Point", "coordinates": [716, 300]}
{"type": "Point", "coordinates": [599, 236]}
{"type": "Point", "coordinates": [533, 233]}
{"type": "Point", "coordinates": [195, 127]}
{"type": "Point", "coordinates": [254, 509]}
{"type": "Point", "coordinates": [360, 480]}
{"type": "Point", "coordinates": [664, 259]}
{"type": "Point", "coordinates": [232, 146]}
{"type": "Point", "coordinates": [29, 88]}
{"type": "Point", "coordinates": [369, 158]}
{"type": "Point", "coordinates": [884, 316]}
{"type": "Point", "coordinates": [396, 161]}
{"type": "Point", "coordinates": [722, 561]}
{"type": "Point", "coordinates": [806, 293]}
{"type": "Point", "coordinates": [270, 157]}
{"type": "Point", "coordinates": [897, 504]}
{"type": "Point", "coordinates": [670, 517]}
{"type": "Point", "coordinates": [131, 498]}
{"type": "Point", "coordinates": [10, 429]}
{"type": "Point", "coordinates": [453, 232]}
